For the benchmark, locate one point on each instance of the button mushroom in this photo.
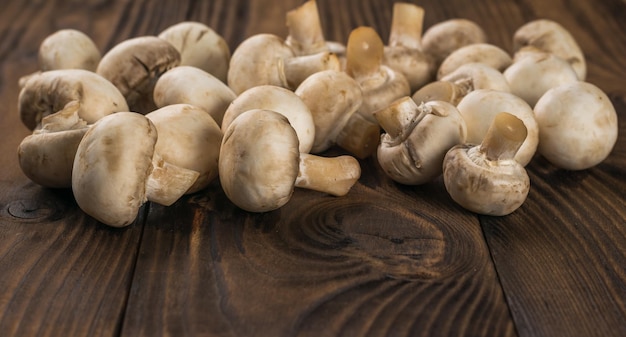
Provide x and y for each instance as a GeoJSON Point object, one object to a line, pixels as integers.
{"type": "Point", "coordinates": [577, 125]}
{"type": "Point", "coordinates": [116, 171]}
{"type": "Point", "coordinates": [417, 138]}
{"type": "Point", "coordinates": [68, 49]}
{"type": "Point", "coordinates": [479, 108]}
{"type": "Point", "coordinates": [134, 65]}
{"type": "Point", "coordinates": [188, 138]}
{"type": "Point", "coordinates": [260, 164]}
{"type": "Point", "coordinates": [191, 85]}
{"type": "Point", "coordinates": [485, 178]}
{"type": "Point", "coordinates": [484, 53]}
{"type": "Point", "coordinates": [305, 35]}
{"type": "Point", "coordinates": [199, 46]}
{"type": "Point", "coordinates": [48, 92]}
{"type": "Point", "coordinates": [444, 37]}
{"type": "Point", "coordinates": [280, 100]}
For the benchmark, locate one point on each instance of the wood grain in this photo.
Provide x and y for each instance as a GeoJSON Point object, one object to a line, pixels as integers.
{"type": "Point", "coordinates": [385, 260]}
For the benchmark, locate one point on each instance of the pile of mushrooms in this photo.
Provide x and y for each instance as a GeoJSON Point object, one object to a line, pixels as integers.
{"type": "Point", "coordinates": [158, 117]}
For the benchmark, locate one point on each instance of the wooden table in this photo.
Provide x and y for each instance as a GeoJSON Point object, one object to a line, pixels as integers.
{"type": "Point", "coordinates": [385, 260]}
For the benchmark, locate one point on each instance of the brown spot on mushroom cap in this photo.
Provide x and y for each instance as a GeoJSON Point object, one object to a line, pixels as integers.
{"type": "Point", "coordinates": [134, 65]}
{"type": "Point", "coordinates": [259, 160]}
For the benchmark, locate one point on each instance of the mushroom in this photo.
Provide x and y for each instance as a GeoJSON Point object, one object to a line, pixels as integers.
{"type": "Point", "coordinates": [116, 171]}
{"type": "Point", "coordinates": [134, 66]}
{"type": "Point", "coordinates": [260, 164]}
{"type": "Point", "coordinates": [380, 84]}
{"type": "Point", "coordinates": [577, 125]}
{"type": "Point", "coordinates": [188, 138]}
{"type": "Point", "coordinates": [333, 98]}
{"type": "Point", "coordinates": [47, 155]}
{"type": "Point", "coordinates": [444, 37]}
{"type": "Point", "coordinates": [485, 178]}
{"type": "Point", "coordinates": [191, 85]}
{"type": "Point", "coordinates": [265, 59]}
{"type": "Point", "coordinates": [480, 107]}
{"type": "Point", "coordinates": [404, 50]}
{"type": "Point", "coordinates": [417, 138]}
{"type": "Point", "coordinates": [48, 92]}
{"type": "Point", "coordinates": [199, 46]}
{"type": "Point", "coordinates": [461, 81]}
{"type": "Point", "coordinates": [551, 37]}
{"type": "Point", "coordinates": [485, 53]}
{"type": "Point", "coordinates": [533, 72]}
{"type": "Point", "coordinates": [68, 49]}
{"type": "Point", "coordinates": [278, 99]}
{"type": "Point", "coordinates": [305, 35]}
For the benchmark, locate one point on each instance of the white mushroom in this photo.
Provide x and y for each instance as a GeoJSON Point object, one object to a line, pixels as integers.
{"type": "Point", "coordinates": [485, 178]}
{"type": "Point", "coordinates": [305, 35]}
{"type": "Point", "coordinates": [551, 37]}
{"type": "Point", "coordinates": [417, 138]}
{"type": "Point", "coordinates": [260, 164]}
{"type": "Point", "coordinates": [68, 49]}
{"type": "Point", "coordinates": [480, 107]}
{"type": "Point", "coordinates": [485, 53]}
{"type": "Point", "coordinates": [191, 85]}
{"type": "Point", "coordinates": [577, 125]}
{"type": "Point", "coordinates": [444, 37]}
{"type": "Point", "coordinates": [199, 46]}
{"type": "Point", "coordinates": [116, 171]}
{"type": "Point", "coordinates": [280, 100]}
{"type": "Point", "coordinates": [48, 92]}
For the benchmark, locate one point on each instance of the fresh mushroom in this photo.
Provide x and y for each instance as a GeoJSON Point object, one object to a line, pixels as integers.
{"type": "Point", "coordinates": [305, 35]}
{"type": "Point", "coordinates": [444, 37]}
{"type": "Point", "coordinates": [199, 46]}
{"type": "Point", "coordinates": [461, 81]}
{"type": "Point", "coordinates": [404, 50]}
{"type": "Point", "coordinates": [281, 100]}
{"type": "Point", "coordinates": [417, 138]}
{"type": "Point", "coordinates": [577, 125]}
{"type": "Point", "coordinates": [260, 164]}
{"type": "Point", "coordinates": [480, 107]}
{"type": "Point", "coordinates": [265, 59]}
{"type": "Point", "coordinates": [68, 49]}
{"type": "Point", "coordinates": [533, 72]}
{"type": "Point", "coordinates": [116, 171]}
{"type": "Point", "coordinates": [380, 84]}
{"type": "Point", "coordinates": [47, 155]}
{"type": "Point", "coordinates": [191, 85]}
{"type": "Point", "coordinates": [48, 92]}
{"type": "Point", "coordinates": [552, 37]}
{"type": "Point", "coordinates": [134, 66]}
{"type": "Point", "coordinates": [485, 178]}
{"type": "Point", "coordinates": [485, 53]}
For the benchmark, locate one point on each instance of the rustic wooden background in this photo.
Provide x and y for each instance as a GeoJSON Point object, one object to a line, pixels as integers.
{"type": "Point", "coordinates": [386, 260]}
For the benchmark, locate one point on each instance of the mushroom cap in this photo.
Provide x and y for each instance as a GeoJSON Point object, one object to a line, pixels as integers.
{"type": "Point", "coordinates": [444, 37]}
{"type": "Point", "coordinates": [416, 155]}
{"type": "Point", "coordinates": [191, 85]}
{"type": "Point", "coordinates": [476, 75]}
{"type": "Point", "coordinates": [199, 46]}
{"type": "Point", "coordinates": [281, 100]}
{"type": "Point", "coordinates": [259, 160]}
{"type": "Point", "coordinates": [68, 49]}
{"type": "Point", "coordinates": [482, 186]}
{"type": "Point", "coordinates": [480, 107]}
{"type": "Point", "coordinates": [188, 138]}
{"type": "Point", "coordinates": [534, 72]}
{"type": "Point", "coordinates": [553, 38]}
{"type": "Point", "coordinates": [416, 66]}
{"type": "Point", "coordinates": [47, 92]}
{"type": "Point", "coordinates": [134, 65]}
{"type": "Point", "coordinates": [485, 53]}
{"type": "Point", "coordinates": [258, 60]}
{"type": "Point", "coordinates": [111, 167]}
{"type": "Point", "coordinates": [578, 125]}
{"type": "Point", "coordinates": [332, 97]}
{"type": "Point", "coordinates": [380, 92]}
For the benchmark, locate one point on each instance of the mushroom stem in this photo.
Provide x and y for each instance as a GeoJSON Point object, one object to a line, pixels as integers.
{"type": "Point", "coordinates": [298, 68]}
{"type": "Point", "coordinates": [406, 25]}
{"type": "Point", "coordinates": [168, 183]}
{"type": "Point", "coordinates": [305, 30]}
{"type": "Point", "coordinates": [364, 53]}
{"type": "Point", "coordinates": [399, 118]}
{"type": "Point", "coordinates": [504, 137]}
{"type": "Point", "coordinates": [359, 136]}
{"type": "Point", "coordinates": [334, 175]}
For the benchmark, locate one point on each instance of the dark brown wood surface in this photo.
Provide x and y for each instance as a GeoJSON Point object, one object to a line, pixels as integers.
{"type": "Point", "coordinates": [385, 260]}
